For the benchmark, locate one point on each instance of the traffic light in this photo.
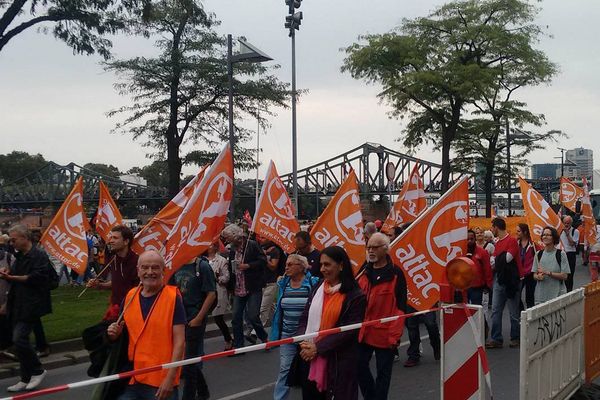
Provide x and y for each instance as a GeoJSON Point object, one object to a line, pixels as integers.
{"type": "Point", "coordinates": [293, 4]}
{"type": "Point", "coordinates": [293, 21]}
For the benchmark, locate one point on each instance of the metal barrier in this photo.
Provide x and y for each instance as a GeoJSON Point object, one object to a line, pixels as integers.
{"type": "Point", "coordinates": [462, 370]}
{"type": "Point", "coordinates": [551, 355]}
{"type": "Point", "coordinates": [592, 331]}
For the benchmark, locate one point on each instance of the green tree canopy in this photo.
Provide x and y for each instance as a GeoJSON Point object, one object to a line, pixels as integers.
{"type": "Point", "coordinates": [180, 96]}
{"type": "Point", "coordinates": [17, 164]}
{"type": "Point", "coordinates": [104, 169]}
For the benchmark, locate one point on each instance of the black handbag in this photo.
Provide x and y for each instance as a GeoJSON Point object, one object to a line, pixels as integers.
{"type": "Point", "coordinates": [298, 373]}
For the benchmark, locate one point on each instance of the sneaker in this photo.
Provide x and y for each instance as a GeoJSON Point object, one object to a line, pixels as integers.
{"type": "Point", "coordinates": [251, 338]}
{"type": "Point", "coordinates": [17, 387]}
{"type": "Point", "coordinates": [514, 344]}
{"type": "Point", "coordinates": [36, 380]}
{"type": "Point", "coordinates": [492, 344]}
{"type": "Point", "coordinates": [43, 353]}
{"type": "Point", "coordinates": [397, 358]}
{"type": "Point", "coordinates": [411, 362]}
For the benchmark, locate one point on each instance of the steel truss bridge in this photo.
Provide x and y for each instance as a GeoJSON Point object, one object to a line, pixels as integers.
{"type": "Point", "coordinates": [51, 184]}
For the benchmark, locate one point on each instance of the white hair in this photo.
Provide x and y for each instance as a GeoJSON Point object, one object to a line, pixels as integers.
{"type": "Point", "coordinates": [232, 232]}
{"type": "Point", "coordinates": [299, 258]}
{"type": "Point", "coordinates": [488, 235]}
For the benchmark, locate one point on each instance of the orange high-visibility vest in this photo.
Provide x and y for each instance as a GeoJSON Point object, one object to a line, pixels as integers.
{"type": "Point", "coordinates": [151, 341]}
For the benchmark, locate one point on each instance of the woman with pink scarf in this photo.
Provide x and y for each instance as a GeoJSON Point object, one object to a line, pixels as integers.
{"type": "Point", "coordinates": [333, 359]}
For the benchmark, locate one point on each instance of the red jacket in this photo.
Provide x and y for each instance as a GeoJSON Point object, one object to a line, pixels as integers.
{"type": "Point", "coordinates": [510, 245]}
{"type": "Point", "coordinates": [483, 268]}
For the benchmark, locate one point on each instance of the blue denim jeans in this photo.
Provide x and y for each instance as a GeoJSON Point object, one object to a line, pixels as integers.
{"type": "Point", "coordinates": [140, 391]}
{"type": "Point", "coordinates": [499, 300]}
{"type": "Point", "coordinates": [250, 303]}
{"type": "Point", "coordinates": [286, 355]}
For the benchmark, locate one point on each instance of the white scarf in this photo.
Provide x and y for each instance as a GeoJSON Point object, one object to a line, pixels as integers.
{"type": "Point", "coordinates": [316, 308]}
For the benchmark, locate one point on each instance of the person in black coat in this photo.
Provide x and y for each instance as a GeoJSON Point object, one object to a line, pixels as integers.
{"type": "Point", "coordinates": [339, 350]}
{"type": "Point", "coordinates": [28, 301]}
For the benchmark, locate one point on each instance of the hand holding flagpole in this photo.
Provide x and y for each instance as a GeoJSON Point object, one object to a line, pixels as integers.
{"type": "Point", "coordinates": [98, 276]}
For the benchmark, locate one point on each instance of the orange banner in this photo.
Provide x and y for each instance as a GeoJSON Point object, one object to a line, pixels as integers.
{"type": "Point", "coordinates": [538, 212]}
{"type": "Point", "coordinates": [589, 222]}
{"type": "Point", "coordinates": [569, 193]}
{"type": "Point", "coordinates": [65, 237]}
{"type": "Point", "coordinates": [435, 238]}
{"type": "Point", "coordinates": [108, 215]}
{"type": "Point", "coordinates": [203, 218]}
{"type": "Point", "coordinates": [274, 218]}
{"type": "Point", "coordinates": [341, 224]}
{"type": "Point", "coordinates": [154, 235]}
{"type": "Point", "coordinates": [409, 204]}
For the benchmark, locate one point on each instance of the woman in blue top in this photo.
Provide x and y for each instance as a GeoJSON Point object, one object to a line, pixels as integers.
{"type": "Point", "coordinates": [294, 288]}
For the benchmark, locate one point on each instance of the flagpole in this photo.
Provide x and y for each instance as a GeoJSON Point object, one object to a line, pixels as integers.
{"type": "Point", "coordinates": [98, 275]}
{"type": "Point", "coordinates": [257, 153]}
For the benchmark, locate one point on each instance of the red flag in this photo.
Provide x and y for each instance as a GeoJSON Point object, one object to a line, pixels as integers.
{"type": "Point", "coordinates": [274, 218]}
{"type": "Point", "coordinates": [589, 222]}
{"type": "Point", "coordinates": [341, 224]}
{"type": "Point", "coordinates": [437, 236]}
{"type": "Point", "coordinates": [203, 218]}
{"type": "Point", "coordinates": [409, 204]}
{"type": "Point", "coordinates": [247, 217]}
{"type": "Point", "coordinates": [65, 237]}
{"type": "Point", "coordinates": [538, 212]}
{"type": "Point", "coordinates": [154, 234]}
{"type": "Point", "coordinates": [569, 193]}
{"type": "Point", "coordinates": [108, 214]}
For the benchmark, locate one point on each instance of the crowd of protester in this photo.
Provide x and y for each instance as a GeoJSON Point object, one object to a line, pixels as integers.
{"type": "Point", "coordinates": [271, 295]}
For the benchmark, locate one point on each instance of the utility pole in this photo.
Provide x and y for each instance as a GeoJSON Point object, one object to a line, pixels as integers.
{"type": "Point", "coordinates": [509, 190]}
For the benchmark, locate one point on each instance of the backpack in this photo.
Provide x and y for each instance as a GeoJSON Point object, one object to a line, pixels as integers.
{"type": "Point", "coordinates": [558, 256]}
{"type": "Point", "coordinates": [53, 278]}
{"type": "Point", "coordinates": [199, 277]}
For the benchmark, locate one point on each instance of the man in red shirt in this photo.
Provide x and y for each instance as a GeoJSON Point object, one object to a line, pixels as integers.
{"type": "Point", "coordinates": [506, 263]}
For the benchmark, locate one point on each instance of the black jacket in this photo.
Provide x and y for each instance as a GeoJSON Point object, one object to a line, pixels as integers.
{"type": "Point", "coordinates": [257, 260]}
{"type": "Point", "coordinates": [30, 300]}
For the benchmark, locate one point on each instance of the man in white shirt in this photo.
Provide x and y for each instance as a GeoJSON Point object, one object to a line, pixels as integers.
{"type": "Point", "coordinates": [569, 239]}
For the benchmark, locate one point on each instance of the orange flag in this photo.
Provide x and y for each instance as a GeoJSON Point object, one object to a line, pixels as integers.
{"type": "Point", "coordinates": [108, 214]}
{"type": "Point", "coordinates": [341, 224]}
{"type": "Point", "coordinates": [274, 218]}
{"type": "Point", "coordinates": [538, 212]}
{"type": "Point", "coordinates": [437, 236]}
{"type": "Point", "coordinates": [154, 235]}
{"type": "Point", "coordinates": [569, 193]}
{"type": "Point", "coordinates": [65, 237]}
{"type": "Point", "coordinates": [204, 215]}
{"type": "Point", "coordinates": [409, 204]}
{"type": "Point", "coordinates": [589, 222]}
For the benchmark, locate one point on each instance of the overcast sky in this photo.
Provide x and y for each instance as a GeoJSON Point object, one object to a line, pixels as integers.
{"type": "Point", "coordinates": [54, 103]}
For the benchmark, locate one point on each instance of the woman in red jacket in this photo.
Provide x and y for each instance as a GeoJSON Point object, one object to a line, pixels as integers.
{"type": "Point", "coordinates": [483, 269]}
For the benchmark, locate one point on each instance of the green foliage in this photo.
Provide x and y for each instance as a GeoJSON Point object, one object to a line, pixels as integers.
{"type": "Point", "coordinates": [17, 164]}
{"type": "Point", "coordinates": [156, 174]}
{"type": "Point", "coordinates": [103, 169]}
{"type": "Point", "coordinates": [438, 72]}
{"type": "Point", "coordinates": [180, 96]}
{"type": "Point", "coordinates": [82, 24]}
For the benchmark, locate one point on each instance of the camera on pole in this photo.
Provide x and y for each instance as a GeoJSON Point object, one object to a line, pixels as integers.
{"type": "Point", "coordinates": [293, 21]}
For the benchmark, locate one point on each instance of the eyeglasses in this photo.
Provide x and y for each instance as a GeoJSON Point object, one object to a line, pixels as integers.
{"type": "Point", "coordinates": [375, 247]}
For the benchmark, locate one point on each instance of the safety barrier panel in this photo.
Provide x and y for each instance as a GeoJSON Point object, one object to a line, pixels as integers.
{"type": "Point", "coordinates": [592, 331]}
{"type": "Point", "coordinates": [551, 355]}
{"type": "Point", "coordinates": [462, 368]}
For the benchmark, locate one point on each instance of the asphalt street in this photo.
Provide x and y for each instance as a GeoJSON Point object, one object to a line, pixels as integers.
{"type": "Point", "coordinates": [252, 376]}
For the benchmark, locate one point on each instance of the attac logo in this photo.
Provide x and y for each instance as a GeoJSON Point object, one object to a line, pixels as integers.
{"type": "Point", "coordinates": [204, 215]}
{"type": "Point", "coordinates": [538, 212]}
{"type": "Point", "coordinates": [274, 218]}
{"type": "Point", "coordinates": [435, 238]}
{"type": "Point", "coordinates": [65, 237]}
{"type": "Point", "coordinates": [341, 224]}
{"type": "Point", "coordinates": [108, 214]}
{"type": "Point", "coordinates": [409, 204]}
{"type": "Point", "coordinates": [589, 222]}
{"type": "Point", "coordinates": [154, 234]}
{"type": "Point", "coordinates": [569, 193]}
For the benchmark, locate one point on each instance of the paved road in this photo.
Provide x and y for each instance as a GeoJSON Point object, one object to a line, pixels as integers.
{"type": "Point", "coordinates": [251, 377]}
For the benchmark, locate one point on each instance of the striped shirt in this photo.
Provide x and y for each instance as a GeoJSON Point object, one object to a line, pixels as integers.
{"type": "Point", "coordinates": [292, 306]}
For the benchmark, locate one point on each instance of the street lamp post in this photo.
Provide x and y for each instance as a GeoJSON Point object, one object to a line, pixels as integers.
{"type": "Point", "coordinates": [247, 53]}
{"type": "Point", "coordinates": [509, 190]}
{"type": "Point", "coordinates": [562, 161]}
{"type": "Point", "coordinates": [292, 23]}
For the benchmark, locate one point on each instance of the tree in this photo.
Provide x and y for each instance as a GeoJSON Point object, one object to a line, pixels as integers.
{"type": "Point", "coordinates": [81, 24]}
{"type": "Point", "coordinates": [180, 96]}
{"type": "Point", "coordinates": [434, 69]}
{"type": "Point", "coordinates": [17, 164]}
{"type": "Point", "coordinates": [156, 174]}
{"type": "Point", "coordinates": [103, 169]}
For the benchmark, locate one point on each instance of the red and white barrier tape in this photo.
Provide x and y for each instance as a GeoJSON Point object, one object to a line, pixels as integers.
{"type": "Point", "coordinates": [213, 356]}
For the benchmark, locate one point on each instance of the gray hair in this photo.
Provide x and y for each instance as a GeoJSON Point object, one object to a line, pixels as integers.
{"type": "Point", "coordinates": [370, 228]}
{"type": "Point", "coordinates": [383, 237]}
{"type": "Point", "coordinates": [232, 232]}
{"type": "Point", "coordinates": [300, 259]}
{"type": "Point", "coordinates": [21, 230]}
{"type": "Point", "coordinates": [488, 234]}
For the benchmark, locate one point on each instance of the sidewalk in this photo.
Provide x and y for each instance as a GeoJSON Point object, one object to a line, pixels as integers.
{"type": "Point", "coordinates": [71, 352]}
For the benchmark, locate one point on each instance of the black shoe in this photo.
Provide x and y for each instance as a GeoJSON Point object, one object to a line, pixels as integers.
{"type": "Point", "coordinates": [436, 354]}
{"type": "Point", "coordinates": [251, 338]}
